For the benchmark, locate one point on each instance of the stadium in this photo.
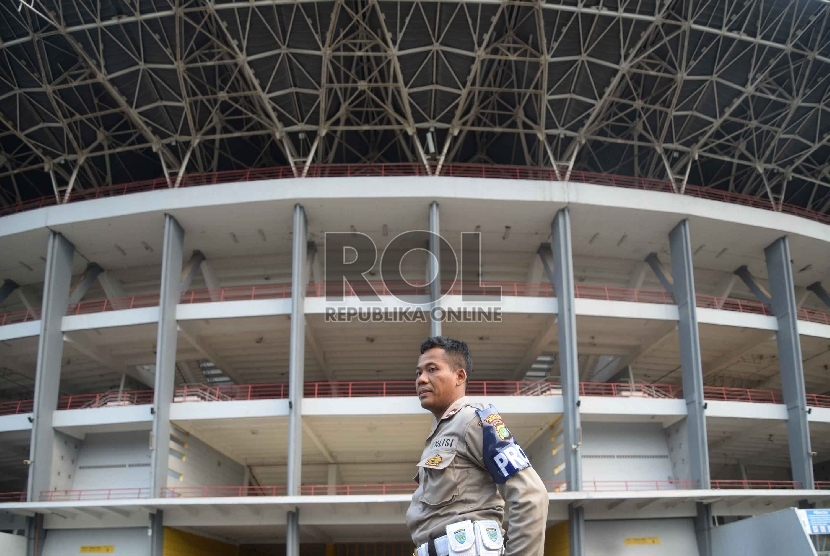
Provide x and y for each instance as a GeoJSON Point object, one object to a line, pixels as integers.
{"type": "Point", "coordinates": [626, 202]}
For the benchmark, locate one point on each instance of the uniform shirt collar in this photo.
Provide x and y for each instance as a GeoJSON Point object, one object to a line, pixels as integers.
{"type": "Point", "coordinates": [454, 408]}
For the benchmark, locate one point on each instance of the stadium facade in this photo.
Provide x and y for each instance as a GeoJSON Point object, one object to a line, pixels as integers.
{"type": "Point", "coordinates": [621, 207]}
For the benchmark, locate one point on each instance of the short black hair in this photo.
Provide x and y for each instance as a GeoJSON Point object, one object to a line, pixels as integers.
{"type": "Point", "coordinates": [456, 352]}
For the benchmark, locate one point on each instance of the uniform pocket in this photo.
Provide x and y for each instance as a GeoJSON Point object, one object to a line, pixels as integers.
{"type": "Point", "coordinates": [440, 484]}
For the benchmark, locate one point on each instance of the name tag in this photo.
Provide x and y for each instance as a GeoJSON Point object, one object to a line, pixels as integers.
{"type": "Point", "coordinates": [444, 442]}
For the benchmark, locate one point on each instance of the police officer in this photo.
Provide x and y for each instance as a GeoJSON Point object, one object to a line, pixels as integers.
{"type": "Point", "coordinates": [469, 468]}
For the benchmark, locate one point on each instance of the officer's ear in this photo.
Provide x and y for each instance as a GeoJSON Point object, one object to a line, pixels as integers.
{"type": "Point", "coordinates": [460, 376]}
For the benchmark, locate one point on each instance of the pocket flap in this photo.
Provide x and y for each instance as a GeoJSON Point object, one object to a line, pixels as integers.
{"type": "Point", "coordinates": [490, 534]}
{"type": "Point", "coordinates": [438, 460]}
{"type": "Point", "coordinates": [460, 536]}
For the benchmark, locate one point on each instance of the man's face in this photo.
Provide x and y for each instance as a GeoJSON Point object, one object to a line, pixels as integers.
{"type": "Point", "coordinates": [438, 383]}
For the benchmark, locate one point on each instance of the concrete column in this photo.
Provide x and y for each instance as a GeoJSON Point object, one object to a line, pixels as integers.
{"type": "Point", "coordinates": [157, 533]}
{"type": "Point", "coordinates": [171, 270]}
{"type": "Point", "coordinates": [691, 368]}
{"type": "Point", "coordinates": [292, 534]}
{"type": "Point", "coordinates": [7, 288]}
{"type": "Point", "coordinates": [434, 265]}
{"type": "Point", "coordinates": [35, 535]}
{"type": "Point", "coordinates": [563, 283]}
{"type": "Point", "coordinates": [789, 358]}
{"type": "Point", "coordinates": [296, 373]}
{"type": "Point", "coordinates": [49, 352]}
{"type": "Point", "coordinates": [683, 290]}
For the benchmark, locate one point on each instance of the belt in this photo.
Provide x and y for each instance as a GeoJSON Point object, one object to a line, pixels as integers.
{"type": "Point", "coordinates": [480, 537]}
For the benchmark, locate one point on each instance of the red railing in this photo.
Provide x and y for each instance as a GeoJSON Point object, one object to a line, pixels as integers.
{"type": "Point", "coordinates": [755, 485]}
{"type": "Point", "coordinates": [11, 497]}
{"type": "Point", "coordinates": [283, 291]}
{"type": "Point", "coordinates": [413, 169]}
{"type": "Point", "coordinates": [106, 399]}
{"type": "Point", "coordinates": [731, 304]}
{"type": "Point", "coordinates": [362, 389]}
{"type": "Point", "coordinates": [617, 486]}
{"type": "Point", "coordinates": [16, 407]}
{"type": "Point", "coordinates": [811, 315]}
{"type": "Point", "coordinates": [94, 494]}
{"type": "Point", "coordinates": [16, 317]}
{"type": "Point", "coordinates": [818, 400]}
{"type": "Point", "coordinates": [718, 393]}
{"type": "Point", "coordinates": [383, 489]}
{"type": "Point", "coordinates": [627, 390]}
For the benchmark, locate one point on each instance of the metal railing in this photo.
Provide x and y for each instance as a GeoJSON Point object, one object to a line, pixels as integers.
{"type": "Point", "coordinates": [416, 169]}
{"type": "Point", "coordinates": [112, 398]}
{"type": "Point", "coordinates": [16, 407]}
{"type": "Point", "coordinates": [221, 491]}
{"type": "Point", "coordinates": [755, 485]}
{"type": "Point", "coordinates": [719, 393]}
{"type": "Point", "coordinates": [94, 494]}
{"type": "Point", "coordinates": [521, 289]}
{"type": "Point", "coordinates": [11, 497]}
{"type": "Point", "coordinates": [627, 390]}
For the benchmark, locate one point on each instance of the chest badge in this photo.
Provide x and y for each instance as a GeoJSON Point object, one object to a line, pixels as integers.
{"type": "Point", "coordinates": [434, 461]}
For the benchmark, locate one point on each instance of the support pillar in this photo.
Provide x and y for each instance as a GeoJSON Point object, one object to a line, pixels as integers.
{"type": "Point", "coordinates": [296, 373]}
{"type": "Point", "coordinates": [292, 534]}
{"type": "Point", "coordinates": [49, 352]}
{"type": "Point", "coordinates": [563, 283]}
{"type": "Point", "coordinates": [683, 290]}
{"type": "Point", "coordinates": [35, 535]}
{"type": "Point", "coordinates": [171, 270]}
{"type": "Point", "coordinates": [434, 266]}
{"type": "Point", "coordinates": [690, 363]}
{"type": "Point", "coordinates": [156, 533]}
{"type": "Point", "coordinates": [789, 358]}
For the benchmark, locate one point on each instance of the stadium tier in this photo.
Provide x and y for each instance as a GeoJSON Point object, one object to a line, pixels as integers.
{"type": "Point", "coordinates": [226, 228]}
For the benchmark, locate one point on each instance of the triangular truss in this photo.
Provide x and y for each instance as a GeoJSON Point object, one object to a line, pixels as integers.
{"type": "Point", "coordinates": [723, 93]}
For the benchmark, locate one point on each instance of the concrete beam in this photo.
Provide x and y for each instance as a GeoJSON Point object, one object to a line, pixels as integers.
{"type": "Point", "coordinates": [190, 377]}
{"type": "Point", "coordinates": [30, 297]}
{"type": "Point", "coordinates": [211, 281]}
{"type": "Point", "coordinates": [638, 276]}
{"type": "Point", "coordinates": [319, 354]}
{"type": "Point", "coordinates": [820, 292]}
{"type": "Point", "coordinates": [611, 372]}
{"type": "Point", "coordinates": [660, 271]}
{"type": "Point", "coordinates": [7, 288]}
{"type": "Point", "coordinates": [757, 289]}
{"type": "Point", "coordinates": [588, 366]}
{"type": "Point", "coordinates": [113, 290]}
{"type": "Point", "coordinates": [204, 349]}
{"type": "Point", "coordinates": [190, 269]}
{"type": "Point", "coordinates": [544, 338]}
{"type": "Point", "coordinates": [724, 288]}
{"type": "Point", "coordinates": [86, 280]}
{"type": "Point", "coordinates": [82, 345]}
{"type": "Point", "coordinates": [318, 442]}
{"type": "Point", "coordinates": [724, 361]}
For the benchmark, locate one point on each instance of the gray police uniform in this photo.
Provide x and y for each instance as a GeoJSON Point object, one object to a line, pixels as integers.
{"type": "Point", "coordinates": [467, 453]}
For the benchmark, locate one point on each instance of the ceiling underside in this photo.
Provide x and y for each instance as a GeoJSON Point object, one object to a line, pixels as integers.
{"type": "Point", "coordinates": [728, 94]}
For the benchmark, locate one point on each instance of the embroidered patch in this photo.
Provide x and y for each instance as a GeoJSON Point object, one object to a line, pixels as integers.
{"type": "Point", "coordinates": [492, 534]}
{"type": "Point", "coordinates": [504, 434]}
{"type": "Point", "coordinates": [434, 461]}
{"type": "Point", "coordinates": [460, 536]}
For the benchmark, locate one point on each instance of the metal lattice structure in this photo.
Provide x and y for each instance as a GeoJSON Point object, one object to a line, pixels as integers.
{"type": "Point", "coordinates": [731, 94]}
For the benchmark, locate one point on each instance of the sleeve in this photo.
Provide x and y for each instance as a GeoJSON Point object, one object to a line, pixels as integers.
{"type": "Point", "coordinates": [527, 502]}
{"type": "Point", "coordinates": [525, 496]}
